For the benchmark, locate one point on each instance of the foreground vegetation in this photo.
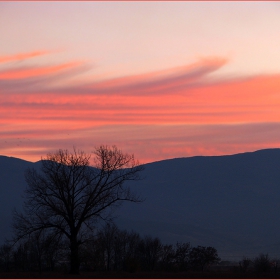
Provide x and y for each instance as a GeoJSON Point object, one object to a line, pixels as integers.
{"type": "Point", "coordinates": [110, 249]}
{"type": "Point", "coordinates": [115, 253]}
{"type": "Point", "coordinates": [57, 233]}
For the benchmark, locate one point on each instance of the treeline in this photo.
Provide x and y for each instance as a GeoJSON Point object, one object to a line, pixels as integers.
{"type": "Point", "coordinates": [110, 249]}
{"type": "Point", "coordinates": [260, 264]}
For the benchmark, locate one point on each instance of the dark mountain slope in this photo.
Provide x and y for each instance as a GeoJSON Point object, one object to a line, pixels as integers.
{"type": "Point", "coordinates": [229, 202]}
{"type": "Point", "coordinates": [12, 185]}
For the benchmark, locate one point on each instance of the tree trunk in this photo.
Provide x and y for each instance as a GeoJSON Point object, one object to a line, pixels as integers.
{"type": "Point", "coordinates": [74, 255]}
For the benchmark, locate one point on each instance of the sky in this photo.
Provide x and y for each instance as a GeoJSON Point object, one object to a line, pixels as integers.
{"type": "Point", "coordinates": [157, 79]}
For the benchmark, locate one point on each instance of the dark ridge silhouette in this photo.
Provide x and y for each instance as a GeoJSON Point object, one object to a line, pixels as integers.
{"type": "Point", "coordinates": [228, 202]}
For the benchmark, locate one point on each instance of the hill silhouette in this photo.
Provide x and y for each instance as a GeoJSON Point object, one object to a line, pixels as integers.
{"type": "Point", "coordinates": [228, 202]}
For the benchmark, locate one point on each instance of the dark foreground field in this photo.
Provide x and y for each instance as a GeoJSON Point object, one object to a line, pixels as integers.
{"type": "Point", "coordinates": [139, 275]}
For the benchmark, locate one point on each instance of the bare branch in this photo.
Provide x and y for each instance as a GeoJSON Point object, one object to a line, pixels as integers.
{"type": "Point", "coordinates": [69, 194]}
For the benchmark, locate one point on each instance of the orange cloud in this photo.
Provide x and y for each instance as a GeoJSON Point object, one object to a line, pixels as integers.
{"type": "Point", "coordinates": [22, 56]}
{"type": "Point", "coordinates": [29, 72]}
{"type": "Point", "coordinates": [160, 79]}
{"type": "Point", "coordinates": [251, 100]}
{"type": "Point", "coordinates": [148, 142]}
{"type": "Point", "coordinates": [175, 112]}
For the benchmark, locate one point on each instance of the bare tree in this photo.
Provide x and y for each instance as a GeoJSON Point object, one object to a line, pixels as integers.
{"type": "Point", "coordinates": [201, 256]}
{"type": "Point", "coordinates": [244, 264]}
{"type": "Point", "coordinates": [182, 255]}
{"type": "Point", "coordinates": [168, 257]}
{"type": "Point", "coordinates": [70, 194]}
{"type": "Point", "coordinates": [5, 256]}
{"type": "Point", "coordinates": [149, 250]}
{"type": "Point", "coordinates": [262, 263]}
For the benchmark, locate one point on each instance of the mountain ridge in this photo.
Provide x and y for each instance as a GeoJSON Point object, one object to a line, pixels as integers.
{"type": "Point", "coordinates": [229, 202]}
{"type": "Point", "coordinates": [170, 159]}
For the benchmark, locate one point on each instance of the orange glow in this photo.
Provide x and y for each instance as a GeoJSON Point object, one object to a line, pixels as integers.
{"type": "Point", "coordinates": [175, 112]}
{"type": "Point", "coordinates": [252, 100]}
{"type": "Point", "coordinates": [193, 72]}
{"type": "Point", "coordinates": [27, 73]}
{"type": "Point", "coordinates": [22, 56]}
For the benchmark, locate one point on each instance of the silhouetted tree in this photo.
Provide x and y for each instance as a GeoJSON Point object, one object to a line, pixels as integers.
{"type": "Point", "coordinates": [244, 264]}
{"type": "Point", "coordinates": [167, 258]}
{"type": "Point", "coordinates": [70, 194]}
{"type": "Point", "coordinates": [131, 257]}
{"type": "Point", "coordinates": [21, 256]}
{"type": "Point", "coordinates": [5, 257]}
{"type": "Point", "coordinates": [262, 263]}
{"type": "Point", "coordinates": [120, 249]}
{"type": "Point", "coordinates": [201, 256]}
{"type": "Point", "coordinates": [54, 248]}
{"type": "Point", "coordinates": [111, 249]}
{"type": "Point", "coordinates": [92, 254]}
{"type": "Point", "coordinates": [149, 250]}
{"type": "Point", "coordinates": [182, 255]}
{"type": "Point", "coordinates": [107, 238]}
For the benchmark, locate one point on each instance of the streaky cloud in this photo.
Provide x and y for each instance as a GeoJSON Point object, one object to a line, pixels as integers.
{"type": "Point", "coordinates": [36, 79]}
{"type": "Point", "coordinates": [148, 142]}
{"type": "Point", "coordinates": [178, 111]}
{"type": "Point", "coordinates": [160, 80]}
{"type": "Point", "coordinates": [29, 72]}
{"type": "Point", "coordinates": [39, 79]}
{"type": "Point", "coordinates": [155, 83]}
{"type": "Point", "coordinates": [22, 56]}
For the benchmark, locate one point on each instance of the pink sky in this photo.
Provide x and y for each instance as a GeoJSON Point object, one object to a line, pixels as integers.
{"type": "Point", "coordinates": [157, 79]}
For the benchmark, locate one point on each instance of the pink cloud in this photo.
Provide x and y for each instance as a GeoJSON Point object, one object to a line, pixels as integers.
{"type": "Point", "coordinates": [29, 72]}
{"type": "Point", "coordinates": [22, 56]}
{"type": "Point", "coordinates": [149, 143]}
{"type": "Point", "coordinates": [159, 82]}
{"type": "Point", "coordinates": [171, 113]}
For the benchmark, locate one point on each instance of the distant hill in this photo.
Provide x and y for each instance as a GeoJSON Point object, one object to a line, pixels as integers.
{"type": "Point", "coordinates": [229, 202]}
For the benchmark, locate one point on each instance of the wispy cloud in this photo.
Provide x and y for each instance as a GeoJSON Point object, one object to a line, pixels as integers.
{"type": "Point", "coordinates": [147, 142]}
{"type": "Point", "coordinates": [160, 82]}
{"type": "Point", "coordinates": [183, 110]}
{"type": "Point", "coordinates": [155, 83]}
{"type": "Point", "coordinates": [22, 56]}
{"type": "Point", "coordinates": [252, 100]}
{"type": "Point", "coordinates": [29, 72]}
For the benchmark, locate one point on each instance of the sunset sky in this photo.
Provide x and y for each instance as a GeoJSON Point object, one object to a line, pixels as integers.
{"type": "Point", "coordinates": [157, 79]}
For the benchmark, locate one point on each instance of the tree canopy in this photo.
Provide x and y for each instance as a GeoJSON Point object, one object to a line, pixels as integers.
{"type": "Point", "coordinates": [71, 193]}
